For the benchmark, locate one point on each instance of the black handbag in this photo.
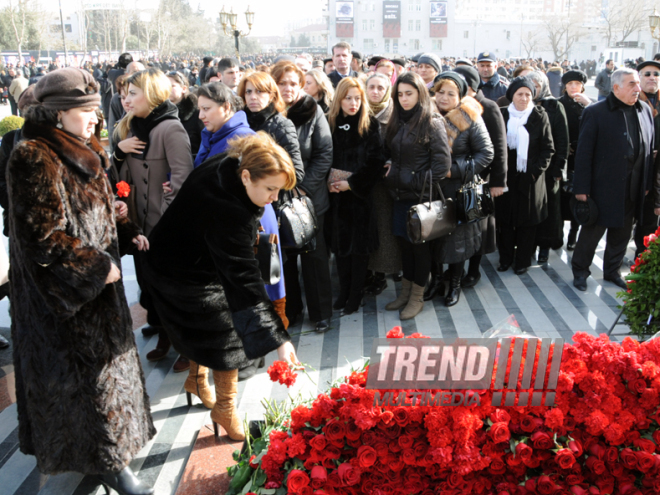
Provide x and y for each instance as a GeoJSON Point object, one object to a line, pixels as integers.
{"type": "Point", "coordinates": [268, 257]}
{"type": "Point", "coordinates": [473, 200]}
{"type": "Point", "coordinates": [433, 219]}
{"type": "Point", "coordinates": [296, 219]}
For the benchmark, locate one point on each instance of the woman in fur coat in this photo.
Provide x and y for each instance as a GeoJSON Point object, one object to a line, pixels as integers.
{"type": "Point", "coordinates": [357, 165]}
{"type": "Point", "coordinates": [82, 403]}
{"type": "Point", "coordinates": [202, 271]}
{"type": "Point", "coordinates": [471, 152]}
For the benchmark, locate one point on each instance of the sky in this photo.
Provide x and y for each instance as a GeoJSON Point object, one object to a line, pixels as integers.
{"type": "Point", "coordinates": [271, 16]}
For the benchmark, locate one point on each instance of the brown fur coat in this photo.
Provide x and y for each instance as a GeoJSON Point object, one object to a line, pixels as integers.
{"type": "Point", "coordinates": [82, 405]}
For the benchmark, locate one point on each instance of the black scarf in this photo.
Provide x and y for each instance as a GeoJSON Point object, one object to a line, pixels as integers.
{"type": "Point", "coordinates": [142, 127]}
{"type": "Point", "coordinates": [302, 111]}
{"type": "Point", "coordinates": [406, 115]}
{"type": "Point", "coordinates": [187, 107]}
{"type": "Point", "coordinates": [257, 119]}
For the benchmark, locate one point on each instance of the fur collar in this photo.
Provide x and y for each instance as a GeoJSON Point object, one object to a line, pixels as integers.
{"type": "Point", "coordinates": [187, 107]}
{"type": "Point", "coordinates": [461, 118]}
{"type": "Point", "coordinates": [256, 120]}
{"type": "Point", "coordinates": [302, 111]}
{"type": "Point", "coordinates": [87, 159]}
{"type": "Point", "coordinates": [231, 183]}
{"type": "Point", "coordinates": [643, 97]}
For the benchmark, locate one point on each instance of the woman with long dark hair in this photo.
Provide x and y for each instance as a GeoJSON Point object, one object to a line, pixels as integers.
{"type": "Point", "coordinates": [416, 143]}
{"type": "Point", "coordinates": [357, 156]}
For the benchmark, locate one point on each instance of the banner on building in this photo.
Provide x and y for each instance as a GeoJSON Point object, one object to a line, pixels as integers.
{"type": "Point", "coordinates": [344, 16]}
{"type": "Point", "coordinates": [438, 20]}
{"type": "Point", "coordinates": [391, 19]}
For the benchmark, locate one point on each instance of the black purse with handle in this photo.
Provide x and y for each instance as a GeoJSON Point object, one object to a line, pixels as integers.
{"type": "Point", "coordinates": [433, 219]}
{"type": "Point", "coordinates": [473, 200]}
{"type": "Point", "coordinates": [268, 257]}
{"type": "Point", "coordinates": [297, 220]}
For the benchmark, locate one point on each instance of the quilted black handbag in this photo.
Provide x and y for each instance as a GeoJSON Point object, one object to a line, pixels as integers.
{"type": "Point", "coordinates": [473, 200]}
{"type": "Point", "coordinates": [297, 220]}
{"type": "Point", "coordinates": [265, 250]}
{"type": "Point", "coordinates": [433, 219]}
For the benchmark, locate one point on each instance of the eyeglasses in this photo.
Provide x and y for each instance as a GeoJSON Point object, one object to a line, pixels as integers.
{"type": "Point", "coordinates": [649, 74]}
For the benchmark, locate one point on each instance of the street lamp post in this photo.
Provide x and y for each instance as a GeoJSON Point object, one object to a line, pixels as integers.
{"type": "Point", "coordinates": [230, 19]}
{"type": "Point", "coordinates": [654, 24]}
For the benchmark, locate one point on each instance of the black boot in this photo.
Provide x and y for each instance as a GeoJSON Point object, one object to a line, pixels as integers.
{"type": "Point", "coordinates": [251, 369]}
{"type": "Point", "coordinates": [435, 287]}
{"type": "Point", "coordinates": [544, 254]}
{"type": "Point", "coordinates": [454, 294]}
{"type": "Point", "coordinates": [341, 300]}
{"type": "Point", "coordinates": [473, 275]}
{"type": "Point", "coordinates": [125, 482]}
{"type": "Point", "coordinates": [353, 303]}
{"type": "Point", "coordinates": [572, 239]}
{"type": "Point", "coordinates": [378, 284]}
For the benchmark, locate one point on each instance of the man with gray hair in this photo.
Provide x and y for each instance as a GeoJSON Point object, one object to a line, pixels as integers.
{"type": "Point", "coordinates": [613, 173]}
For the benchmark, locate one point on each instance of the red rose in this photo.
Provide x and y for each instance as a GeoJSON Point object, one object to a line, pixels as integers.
{"type": "Point", "coordinates": [611, 454]}
{"type": "Point", "coordinates": [497, 466]}
{"type": "Point", "coordinates": [401, 416]}
{"type": "Point", "coordinates": [366, 456]}
{"type": "Point", "coordinates": [645, 461]}
{"type": "Point", "coordinates": [656, 437]}
{"type": "Point", "coordinates": [565, 458]}
{"type": "Point", "coordinates": [406, 441]}
{"type": "Point", "coordinates": [545, 486]}
{"type": "Point", "coordinates": [253, 465]}
{"type": "Point", "coordinates": [499, 432]}
{"type": "Point", "coordinates": [530, 423]}
{"type": "Point", "coordinates": [348, 475]}
{"type": "Point", "coordinates": [578, 490]}
{"type": "Point", "coordinates": [319, 476]}
{"type": "Point", "coordinates": [334, 430]}
{"type": "Point", "coordinates": [576, 448]}
{"type": "Point", "coordinates": [645, 445]}
{"type": "Point", "coordinates": [524, 451]}
{"type": "Point", "coordinates": [542, 440]}
{"type": "Point", "coordinates": [318, 442]}
{"type": "Point", "coordinates": [297, 480]}
{"type": "Point", "coordinates": [629, 459]}
{"type": "Point", "coordinates": [595, 465]}
{"type": "Point", "coordinates": [409, 457]}
{"type": "Point", "coordinates": [637, 386]}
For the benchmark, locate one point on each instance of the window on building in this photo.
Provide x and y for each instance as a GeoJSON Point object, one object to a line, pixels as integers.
{"type": "Point", "coordinates": [411, 5]}
{"type": "Point", "coordinates": [67, 28]}
{"type": "Point", "coordinates": [466, 34]}
{"type": "Point", "coordinates": [508, 35]}
{"type": "Point", "coordinates": [368, 45]}
{"type": "Point", "coordinates": [418, 5]}
{"type": "Point", "coordinates": [410, 25]}
{"type": "Point", "coordinates": [414, 44]}
{"type": "Point", "coordinates": [373, 6]}
{"type": "Point", "coordinates": [372, 24]}
{"type": "Point", "coordinates": [418, 25]}
{"type": "Point", "coordinates": [387, 46]}
{"type": "Point", "coordinates": [437, 45]}
{"type": "Point", "coordinates": [395, 46]}
{"type": "Point", "coordinates": [364, 24]}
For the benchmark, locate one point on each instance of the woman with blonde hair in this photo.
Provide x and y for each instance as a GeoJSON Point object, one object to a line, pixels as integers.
{"type": "Point", "coordinates": [154, 148]}
{"type": "Point", "coordinates": [202, 271]}
{"type": "Point", "coordinates": [319, 87]}
{"type": "Point", "coordinates": [264, 109]}
{"type": "Point", "coordinates": [357, 165]}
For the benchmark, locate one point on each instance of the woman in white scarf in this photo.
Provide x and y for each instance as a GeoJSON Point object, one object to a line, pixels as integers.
{"type": "Point", "coordinates": [530, 148]}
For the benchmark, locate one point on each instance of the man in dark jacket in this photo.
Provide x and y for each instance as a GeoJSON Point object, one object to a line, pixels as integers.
{"type": "Point", "coordinates": [614, 166]}
{"type": "Point", "coordinates": [495, 173]}
{"type": "Point", "coordinates": [492, 85]}
{"type": "Point", "coordinates": [41, 72]}
{"type": "Point", "coordinates": [649, 77]}
{"type": "Point", "coordinates": [119, 69]}
{"type": "Point", "coordinates": [341, 58]}
{"type": "Point", "coordinates": [603, 81]}
{"type": "Point", "coordinates": [208, 62]}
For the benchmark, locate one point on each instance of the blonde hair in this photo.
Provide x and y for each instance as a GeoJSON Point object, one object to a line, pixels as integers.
{"type": "Point", "coordinates": [156, 88]}
{"type": "Point", "coordinates": [265, 83]}
{"type": "Point", "coordinates": [261, 156]}
{"type": "Point", "coordinates": [326, 90]}
{"type": "Point", "coordinates": [343, 88]}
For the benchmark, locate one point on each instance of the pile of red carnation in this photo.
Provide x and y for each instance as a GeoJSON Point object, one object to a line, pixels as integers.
{"type": "Point", "coordinates": [601, 438]}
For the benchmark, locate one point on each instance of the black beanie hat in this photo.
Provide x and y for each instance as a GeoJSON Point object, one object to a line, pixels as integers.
{"type": "Point", "coordinates": [458, 79]}
{"type": "Point", "coordinates": [520, 82]}
{"type": "Point", "coordinates": [574, 75]}
{"type": "Point", "coordinates": [471, 76]}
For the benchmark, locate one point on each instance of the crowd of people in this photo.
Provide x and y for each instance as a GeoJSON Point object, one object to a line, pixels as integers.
{"type": "Point", "coordinates": [213, 154]}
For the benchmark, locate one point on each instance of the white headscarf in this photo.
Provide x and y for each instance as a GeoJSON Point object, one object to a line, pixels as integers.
{"type": "Point", "coordinates": [517, 137]}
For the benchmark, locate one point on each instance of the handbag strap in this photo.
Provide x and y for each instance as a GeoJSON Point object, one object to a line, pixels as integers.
{"type": "Point", "coordinates": [429, 176]}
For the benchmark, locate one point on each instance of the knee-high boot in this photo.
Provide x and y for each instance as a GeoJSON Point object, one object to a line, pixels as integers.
{"type": "Point", "coordinates": [224, 413]}
{"type": "Point", "coordinates": [197, 384]}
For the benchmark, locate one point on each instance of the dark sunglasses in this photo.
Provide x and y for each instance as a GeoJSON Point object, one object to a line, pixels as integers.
{"type": "Point", "coordinates": [654, 74]}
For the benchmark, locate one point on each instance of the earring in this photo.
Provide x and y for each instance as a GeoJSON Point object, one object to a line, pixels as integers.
{"type": "Point", "coordinates": [59, 124]}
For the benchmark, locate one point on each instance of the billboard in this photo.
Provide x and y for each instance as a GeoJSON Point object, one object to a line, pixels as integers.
{"type": "Point", "coordinates": [344, 17]}
{"type": "Point", "coordinates": [438, 19]}
{"type": "Point", "coordinates": [391, 19]}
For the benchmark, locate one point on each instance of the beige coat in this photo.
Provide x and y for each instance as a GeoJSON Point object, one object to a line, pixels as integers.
{"type": "Point", "coordinates": [169, 153]}
{"type": "Point", "coordinates": [18, 85]}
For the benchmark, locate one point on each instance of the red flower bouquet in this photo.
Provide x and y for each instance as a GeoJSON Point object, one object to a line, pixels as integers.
{"type": "Point", "coordinates": [600, 438]}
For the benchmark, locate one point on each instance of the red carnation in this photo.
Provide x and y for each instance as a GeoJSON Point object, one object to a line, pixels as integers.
{"type": "Point", "coordinates": [281, 372]}
{"type": "Point", "coordinates": [297, 480]}
{"type": "Point", "coordinates": [395, 333]}
{"type": "Point", "coordinates": [123, 189]}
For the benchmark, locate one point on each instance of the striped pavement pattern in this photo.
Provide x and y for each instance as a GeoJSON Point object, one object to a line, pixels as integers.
{"type": "Point", "coordinates": [543, 301]}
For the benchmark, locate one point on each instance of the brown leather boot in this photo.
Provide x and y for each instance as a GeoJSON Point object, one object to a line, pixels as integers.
{"type": "Point", "coordinates": [224, 413]}
{"type": "Point", "coordinates": [402, 300]}
{"type": "Point", "coordinates": [415, 304]}
{"type": "Point", "coordinates": [280, 309]}
{"type": "Point", "coordinates": [197, 384]}
{"type": "Point", "coordinates": [162, 348]}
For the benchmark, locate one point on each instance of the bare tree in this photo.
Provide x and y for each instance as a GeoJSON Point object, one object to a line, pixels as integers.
{"type": "Point", "coordinates": [531, 43]}
{"type": "Point", "coordinates": [622, 18]}
{"type": "Point", "coordinates": [562, 33]}
{"type": "Point", "coordinates": [18, 15]}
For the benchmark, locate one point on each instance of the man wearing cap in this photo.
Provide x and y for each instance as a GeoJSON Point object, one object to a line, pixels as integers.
{"type": "Point", "coordinates": [603, 83]}
{"type": "Point", "coordinates": [613, 166]}
{"type": "Point", "coordinates": [399, 65]}
{"type": "Point", "coordinates": [649, 78]}
{"type": "Point", "coordinates": [492, 85]}
{"type": "Point", "coordinates": [356, 62]}
{"type": "Point", "coordinates": [495, 173]}
{"type": "Point", "coordinates": [341, 58]}
{"type": "Point", "coordinates": [428, 66]}
{"type": "Point", "coordinates": [328, 66]}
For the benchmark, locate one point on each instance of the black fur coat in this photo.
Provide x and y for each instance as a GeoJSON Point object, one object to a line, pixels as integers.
{"type": "Point", "coordinates": [82, 404]}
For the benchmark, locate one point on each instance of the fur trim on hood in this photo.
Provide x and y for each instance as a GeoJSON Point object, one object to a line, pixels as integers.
{"type": "Point", "coordinates": [460, 118]}
{"type": "Point", "coordinates": [302, 111]}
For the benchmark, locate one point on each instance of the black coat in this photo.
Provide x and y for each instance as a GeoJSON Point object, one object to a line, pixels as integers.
{"type": "Point", "coordinates": [601, 160]}
{"type": "Point", "coordinates": [495, 173]}
{"type": "Point", "coordinates": [525, 204]}
{"type": "Point", "coordinates": [573, 112]}
{"type": "Point", "coordinates": [203, 276]}
{"type": "Point", "coordinates": [411, 160]}
{"type": "Point", "coordinates": [335, 78]}
{"type": "Point", "coordinates": [315, 141]}
{"type": "Point", "coordinates": [80, 393]}
{"type": "Point", "coordinates": [282, 131]}
{"type": "Point", "coordinates": [352, 216]}
{"type": "Point", "coordinates": [189, 117]}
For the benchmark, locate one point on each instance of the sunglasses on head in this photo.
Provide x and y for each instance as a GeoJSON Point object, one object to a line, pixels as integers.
{"type": "Point", "coordinates": [654, 74]}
